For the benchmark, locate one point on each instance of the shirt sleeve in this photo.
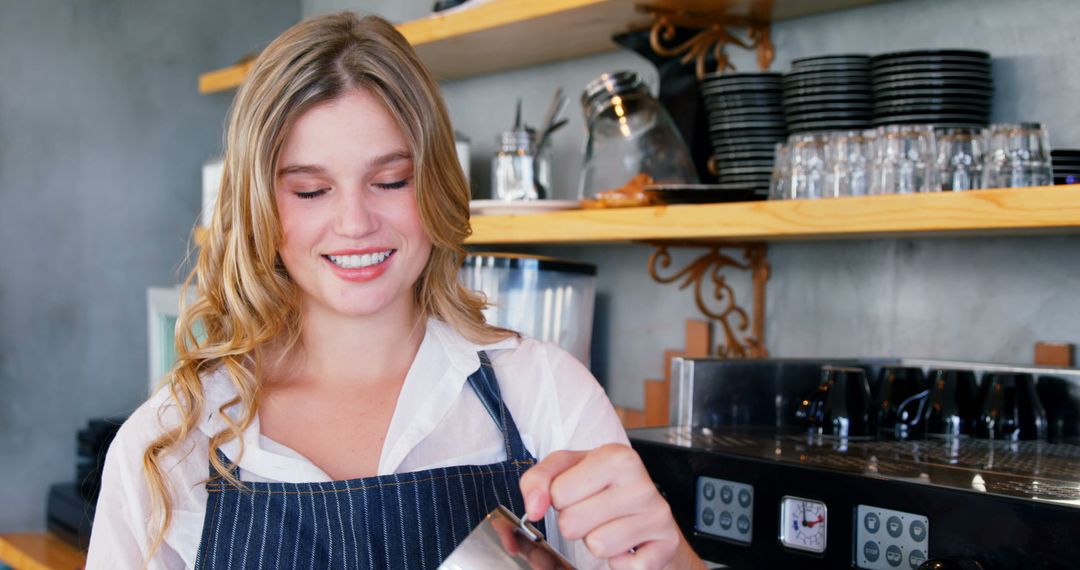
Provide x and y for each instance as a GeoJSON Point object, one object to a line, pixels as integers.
{"type": "Point", "coordinates": [120, 537]}
{"type": "Point", "coordinates": [588, 421]}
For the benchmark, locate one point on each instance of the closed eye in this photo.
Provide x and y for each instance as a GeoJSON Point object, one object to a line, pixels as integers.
{"type": "Point", "coordinates": [393, 185]}
{"type": "Point", "coordinates": [311, 194]}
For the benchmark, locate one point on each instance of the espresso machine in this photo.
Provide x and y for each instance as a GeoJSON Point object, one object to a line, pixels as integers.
{"type": "Point", "coordinates": [761, 473]}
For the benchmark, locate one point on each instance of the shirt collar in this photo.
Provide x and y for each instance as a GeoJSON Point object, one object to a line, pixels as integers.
{"type": "Point", "coordinates": [432, 385]}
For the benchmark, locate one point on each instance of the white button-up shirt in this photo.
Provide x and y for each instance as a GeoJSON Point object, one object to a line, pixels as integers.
{"type": "Point", "coordinates": [438, 422]}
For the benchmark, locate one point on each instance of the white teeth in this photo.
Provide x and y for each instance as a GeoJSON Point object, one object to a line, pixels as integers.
{"type": "Point", "coordinates": [357, 261]}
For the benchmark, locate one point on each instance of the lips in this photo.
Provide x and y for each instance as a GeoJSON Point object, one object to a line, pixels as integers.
{"type": "Point", "coordinates": [359, 266]}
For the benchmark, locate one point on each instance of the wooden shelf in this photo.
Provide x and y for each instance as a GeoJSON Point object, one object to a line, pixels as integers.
{"type": "Point", "coordinates": [497, 35]}
{"type": "Point", "coordinates": [1052, 209]}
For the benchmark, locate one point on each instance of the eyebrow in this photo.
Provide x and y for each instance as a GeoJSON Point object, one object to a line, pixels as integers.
{"type": "Point", "coordinates": [381, 160]}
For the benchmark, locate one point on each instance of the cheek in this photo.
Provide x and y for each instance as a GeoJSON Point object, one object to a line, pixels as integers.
{"type": "Point", "coordinates": [294, 229]}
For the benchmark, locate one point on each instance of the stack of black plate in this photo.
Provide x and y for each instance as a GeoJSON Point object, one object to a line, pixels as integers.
{"type": "Point", "coordinates": [944, 88]}
{"type": "Point", "coordinates": [746, 120]}
{"type": "Point", "coordinates": [1066, 164]}
{"type": "Point", "coordinates": [829, 93]}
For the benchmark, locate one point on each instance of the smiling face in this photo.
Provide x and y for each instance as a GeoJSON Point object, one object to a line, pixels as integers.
{"type": "Point", "coordinates": [345, 194]}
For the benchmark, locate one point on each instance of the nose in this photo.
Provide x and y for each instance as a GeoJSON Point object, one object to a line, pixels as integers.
{"type": "Point", "coordinates": [355, 216]}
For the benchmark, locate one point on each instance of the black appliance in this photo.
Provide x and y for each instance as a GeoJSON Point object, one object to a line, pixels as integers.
{"type": "Point", "coordinates": [70, 508]}
{"type": "Point", "coordinates": [752, 487]}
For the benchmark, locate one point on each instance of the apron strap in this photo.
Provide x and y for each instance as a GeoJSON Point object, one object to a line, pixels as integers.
{"type": "Point", "coordinates": [486, 386]}
{"type": "Point", "coordinates": [224, 459]}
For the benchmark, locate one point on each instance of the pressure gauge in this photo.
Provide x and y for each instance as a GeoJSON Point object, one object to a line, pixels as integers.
{"type": "Point", "coordinates": [803, 524]}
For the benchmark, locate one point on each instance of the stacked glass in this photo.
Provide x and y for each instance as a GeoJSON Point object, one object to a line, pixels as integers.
{"type": "Point", "coordinates": [908, 159]}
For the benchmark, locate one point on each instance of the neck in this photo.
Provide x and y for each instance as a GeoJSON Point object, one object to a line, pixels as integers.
{"type": "Point", "coordinates": [336, 351]}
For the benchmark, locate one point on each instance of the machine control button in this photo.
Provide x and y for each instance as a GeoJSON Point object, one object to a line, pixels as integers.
{"type": "Point", "coordinates": [894, 526]}
{"type": "Point", "coordinates": [915, 559]}
{"type": "Point", "coordinates": [917, 530]}
{"type": "Point", "coordinates": [744, 498]}
{"type": "Point", "coordinates": [725, 520]}
{"type": "Point", "coordinates": [744, 524]}
{"type": "Point", "coordinates": [718, 512]}
{"type": "Point", "coordinates": [894, 556]}
{"type": "Point", "coordinates": [872, 523]}
{"type": "Point", "coordinates": [871, 551]}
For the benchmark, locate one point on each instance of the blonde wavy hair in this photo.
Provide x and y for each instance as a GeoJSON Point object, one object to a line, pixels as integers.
{"type": "Point", "coordinates": [246, 302]}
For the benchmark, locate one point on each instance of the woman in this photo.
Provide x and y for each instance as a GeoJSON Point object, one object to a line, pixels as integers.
{"type": "Point", "coordinates": [343, 403]}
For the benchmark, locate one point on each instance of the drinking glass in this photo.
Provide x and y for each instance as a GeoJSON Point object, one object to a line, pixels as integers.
{"type": "Point", "coordinates": [902, 392]}
{"type": "Point", "coordinates": [1011, 408]}
{"type": "Point", "coordinates": [953, 403]}
{"type": "Point", "coordinates": [807, 175]}
{"type": "Point", "coordinates": [961, 152]}
{"type": "Point", "coordinates": [780, 183]}
{"type": "Point", "coordinates": [1018, 157]}
{"type": "Point", "coordinates": [904, 160]}
{"type": "Point", "coordinates": [848, 155]}
{"type": "Point", "coordinates": [841, 405]}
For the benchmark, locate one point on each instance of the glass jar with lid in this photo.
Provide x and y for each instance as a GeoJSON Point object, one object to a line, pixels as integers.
{"type": "Point", "coordinates": [629, 134]}
{"type": "Point", "coordinates": [520, 170]}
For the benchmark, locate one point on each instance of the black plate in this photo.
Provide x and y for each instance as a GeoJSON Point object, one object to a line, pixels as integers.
{"type": "Point", "coordinates": [936, 90]}
{"type": "Point", "coordinates": [819, 127]}
{"type": "Point", "coordinates": [756, 157]}
{"type": "Point", "coordinates": [930, 63]}
{"type": "Point", "coordinates": [1065, 152]}
{"type": "Point", "coordinates": [912, 84]}
{"type": "Point", "coordinates": [736, 102]}
{"type": "Point", "coordinates": [745, 113]}
{"type": "Point", "coordinates": [916, 109]}
{"type": "Point", "coordinates": [831, 58]}
{"type": "Point", "coordinates": [930, 68]}
{"type": "Point", "coordinates": [761, 128]}
{"type": "Point", "coordinates": [848, 107]}
{"type": "Point", "coordinates": [797, 120]}
{"type": "Point", "coordinates": [746, 140]}
{"type": "Point", "coordinates": [762, 146]}
{"type": "Point", "coordinates": [967, 76]}
{"type": "Point", "coordinates": [822, 74]}
{"type": "Point", "coordinates": [832, 68]}
{"type": "Point", "coordinates": [930, 53]}
{"type": "Point", "coordinates": [939, 123]}
{"type": "Point", "coordinates": [839, 99]}
{"type": "Point", "coordinates": [794, 86]}
{"type": "Point", "coordinates": [700, 193]}
{"type": "Point", "coordinates": [839, 89]}
{"type": "Point", "coordinates": [747, 93]}
{"type": "Point", "coordinates": [932, 96]}
{"type": "Point", "coordinates": [934, 100]}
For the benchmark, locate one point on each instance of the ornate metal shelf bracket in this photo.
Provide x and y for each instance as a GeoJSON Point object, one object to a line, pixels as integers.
{"type": "Point", "coordinates": [716, 33]}
{"type": "Point", "coordinates": [743, 337]}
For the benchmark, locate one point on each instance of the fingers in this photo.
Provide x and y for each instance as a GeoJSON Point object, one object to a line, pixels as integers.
{"type": "Point", "coordinates": [536, 482]}
{"type": "Point", "coordinates": [617, 537]}
{"type": "Point", "coordinates": [607, 465]}
{"type": "Point", "coordinates": [579, 518]}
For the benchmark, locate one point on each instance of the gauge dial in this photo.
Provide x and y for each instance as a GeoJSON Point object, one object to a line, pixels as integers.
{"type": "Point", "coordinates": [803, 524]}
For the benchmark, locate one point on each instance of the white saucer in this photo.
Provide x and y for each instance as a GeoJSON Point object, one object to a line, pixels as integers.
{"type": "Point", "coordinates": [502, 207]}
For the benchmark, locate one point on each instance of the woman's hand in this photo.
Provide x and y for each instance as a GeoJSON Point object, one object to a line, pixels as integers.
{"type": "Point", "coordinates": [606, 497]}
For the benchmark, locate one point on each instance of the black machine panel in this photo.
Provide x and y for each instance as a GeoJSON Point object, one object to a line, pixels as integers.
{"type": "Point", "coordinates": [877, 501]}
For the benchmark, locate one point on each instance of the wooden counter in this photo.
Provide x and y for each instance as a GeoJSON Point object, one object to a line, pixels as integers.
{"type": "Point", "coordinates": [39, 551]}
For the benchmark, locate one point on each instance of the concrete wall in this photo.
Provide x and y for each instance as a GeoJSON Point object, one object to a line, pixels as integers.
{"type": "Point", "coordinates": [971, 298]}
{"type": "Point", "coordinates": [102, 138]}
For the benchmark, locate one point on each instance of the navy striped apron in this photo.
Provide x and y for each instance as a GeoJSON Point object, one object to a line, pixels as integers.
{"type": "Point", "coordinates": [403, 520]}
